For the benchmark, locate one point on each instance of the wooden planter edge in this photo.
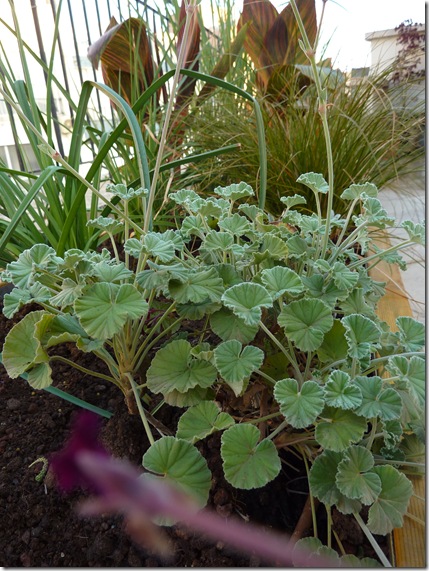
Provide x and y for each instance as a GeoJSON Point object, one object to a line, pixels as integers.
{"type": "Point", "coordinates": [409, 541]}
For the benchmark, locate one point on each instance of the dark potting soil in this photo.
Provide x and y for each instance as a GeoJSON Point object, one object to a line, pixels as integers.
{"type": "Point", "coordinates": [39, 526]}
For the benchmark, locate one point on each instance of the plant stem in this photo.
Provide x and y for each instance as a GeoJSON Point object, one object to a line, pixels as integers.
{"type": "Point", "coordinates": [310, 52]}
{"type": "Point", "coordinates": [280, 427]}
{"type": "Point", "coordinates": [372, 541]}
{"type": "Point", "coordinates": [190, 10]}
{"type": "Point", "coordinates": [283, 350]}
{"type": "Point", "coordinates": [141, 409]}
{"type": "Point", "coordinates": [86, 371]}
{"type": "Point", "coordinates": [312, 501]}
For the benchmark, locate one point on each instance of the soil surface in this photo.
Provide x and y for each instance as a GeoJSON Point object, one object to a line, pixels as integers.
{"type": "Point", "coordinates": [39, 526]}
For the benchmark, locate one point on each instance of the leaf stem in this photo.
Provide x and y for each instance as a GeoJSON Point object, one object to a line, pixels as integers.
{"type": "Point", "coordinates": [141, 409]}
{"type": "Point", "coordinates": [290, 358]}
{"type": "Point", "coordinates": [85, 370]}
{"type": "Point", "coordinates": [372, 541]}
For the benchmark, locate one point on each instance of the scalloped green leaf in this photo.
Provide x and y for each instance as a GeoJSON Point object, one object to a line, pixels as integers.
{"type": "Point", "coordinates": [228, 326]}
{"type": "Point", "coordinates": [218, 241]}
{"type": "Point", "coordinates": [279, 280]}
{"type": "Point", "coordinates": [201, 420]}
{"type": "Point", "coordinates": [159, 246]}
{"type": "Point", "coordinates": [343, 277]}
{"type": "Point", "coordinates": [248, 464]}
{"type": "Point", "coordinates": [315, 182]}
{"type": "Point", "coordinates": [40, 256]}
{"type": "Point", "coordinates": [340, 392]}
{"type": "Point", "coordinates": [18, 297]}
{"type": "Point", "coordinates": [356, 190]}
{"type": "Point", "coordinates": [305, 322]}
{"type": "Point", "coordinates": [125, 193]}
{"type": "Point", "coordinates": [354, 479]}
{"type": "Point", "coordinates": [236, 363]}
{"type": "Point", "coordinates": [180, 462]}
{"type": "Point", "coordinates": [411, 333]}
{"type": "Point", "coordinates": [376, 400]}
{"type": "Point", "coordinates": [299, 407]}
{"type": "Point", "coordinates": [412, 372]}
{"type": "Point", "coordinates": [246, 301]}
{"type": "Point", "coordinates": [234, 191]}
{"type": "Point", "coordinates": [235, 224]}
{"type": "Point", "coordinates": [416, 231]}
{"type": "Point", "coordinates": [334, 346]}
{"type": "Point", "coordinates": [388, 510]}
{"type": "Point", "coordinates": [174, 368]}
{"type": "Point", "coordinates": [21, 348]}
{"type": "Point", "coordinates": [294, 200]}
{"type": "Point", "coordinates": [338, 429]}
{"type": "Point", "coordinates": [362, 335]}
{"type": "Point", "coordinates": [104, 308]}
{"type": "Point", "coordinates": [106, 272]}
{"type": "Point", "coordinates": [306, 553]}
{"type": "Point", "coordinates": [322, 477]}
{"type": "Point", "coordinates": [109, 225]}
{"type": "Point", "coordinates": [275, 246]}
{"type": "Point", "coordinates": [197, 287]}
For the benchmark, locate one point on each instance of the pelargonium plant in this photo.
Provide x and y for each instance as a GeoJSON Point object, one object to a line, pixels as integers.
{"type": "Point", "coordinates": [232, 302]}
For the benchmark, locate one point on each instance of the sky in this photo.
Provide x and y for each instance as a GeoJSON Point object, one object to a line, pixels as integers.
{"type": "Point", "coordinates": [346, 22]}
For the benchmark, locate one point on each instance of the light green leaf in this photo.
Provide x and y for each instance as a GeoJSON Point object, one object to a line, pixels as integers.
{"type": "Point", "coordinates": [104, 308]}
{"type": "Point", "coordinates": [174, 368]}
{"type": "Point", "coordinates": [300, 407]}
{"type": "Point", "coordinates": [356, 190]}
{"type": "Point", "coordinates": [218, 241]}
{"type": "Point", "coordinates": [294, 200]}
{"type": "Point", "coordinates": [416, 232]}
{"type": "Point", "coordinates": [246, 301]}
{"type": "Point", "coordinates": [279, 280]}
{"type": "Point", "coordinates": [246, 463]}
{"type": "Point", "coordinates": [125, 193]}
{"type": "Point", "coordinates": [353, 477]}
{"type": "Point", "coordinates": [235, 363]}
{"type": "Point", "coordinates": [356, 303]}
{"type": "Point", "coordinates": [322, 477]}
{"type": "Point", "coordinates": [159, 275]}
{"type": "Point", "coordinates": [275, 247]}
{"type": "Point", "coordinates": [201, 420]}
{"type": "Point", "coordinates": [133, 247]}
{"type": "Point", "coordinates": [376, 401]}
{"type": "Point", "coordinates": [234, 191]}
{"type": "Point", "coordinates": [251, 211]}
{"type": "Point", "coordinates": [228, 326]}
{"type": "Point", "coordinates": [334, 346]}
{"type": "Point", "coordinates": [315, 182]}
{"type": "Point", "coordinates": [338, 428]}
{"type": "Point", "coordinates": [180, 462]}
{"type": "Point", "coordinates": [18, 297]}
{"type": "Point", "coordinates": [235, 224]}
{"type": "Point", "coordinates": [411, 333]}
{"type": "Point", "coordinates": [362, 335]}
{"type": "Point", "coordinates": [70, 291]}
{"type": "Point", "coordinates": [159, 246]}
{"type": "Point", "coordinates": [388, 510]}
{"type": "Point", "coordinates": [109, 225]}
{"type": "Point", "coordinates": [305, 322]}
{"type": "Point", "coordinates": [340, 392]}
{"type": "Point", "coordinates": [197, 287]}
{"type": "Point", "coordinates": [21, 348]}
{"type": "Point", "coordinates": [196, 311]}
{"type": "Point", "coordinates": [106, 272]}
{"type": "Point", "coordinates": [40, 256]}
{"type": "Point", "coordinates": [343, 277]}
{"type": "Point", "coordinates": [412, 372]}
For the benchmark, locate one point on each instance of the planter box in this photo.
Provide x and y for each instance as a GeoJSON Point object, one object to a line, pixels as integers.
{"type": "Point", "coordinates": [409, 542]}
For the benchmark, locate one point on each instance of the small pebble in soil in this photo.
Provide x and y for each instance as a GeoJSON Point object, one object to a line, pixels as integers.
{"type": "Point", "coordinates": [13, 404]}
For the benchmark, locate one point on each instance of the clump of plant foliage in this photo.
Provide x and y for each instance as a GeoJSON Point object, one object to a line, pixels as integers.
{"type": "Point", "coordinates": [262, 328]}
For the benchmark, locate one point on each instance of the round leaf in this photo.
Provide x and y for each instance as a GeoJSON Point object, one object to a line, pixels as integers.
{"type": "Point", "coordinates": [235, 363]}
{"type": "Point", "coordinates": [339, 428]}
{"type": "Point", "coordinates": [201, 420]}
{"type": "Point", "coordinates": [300, 407]}
{"type": "Point", "coordinates": [279, 280]}
{"type": "Point", "coordinates": [180, 462]}
{"type": "Point", "coordinates": [340, 392]}
{"type": "Point", "coordinates": [322, 477]}
{"type": "Point", "coordinates": [361, 334]}
{"type": "Point", "coordinates": [174, 368]}
{"type": "Point", "coordinates": [391, 505]}
{"type": "Point", "coordinates": [246, 463]}
{"type": "Point", "coordinates": [305, 322]}
{"type": "Point", "coordinates": [228, 326]}
{"type": "Point", "coordinates": [353, 478]}
{"type": "Point", "coordinates": [104, 308]}
{"type": "Point", "coordinates": [246, 300]}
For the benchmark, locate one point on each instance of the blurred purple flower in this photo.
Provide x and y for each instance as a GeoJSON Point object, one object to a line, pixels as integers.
{"type": "Point", "coordinates": [84, 438]}
{"type": "Point", "coordinates": [120, 488]}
